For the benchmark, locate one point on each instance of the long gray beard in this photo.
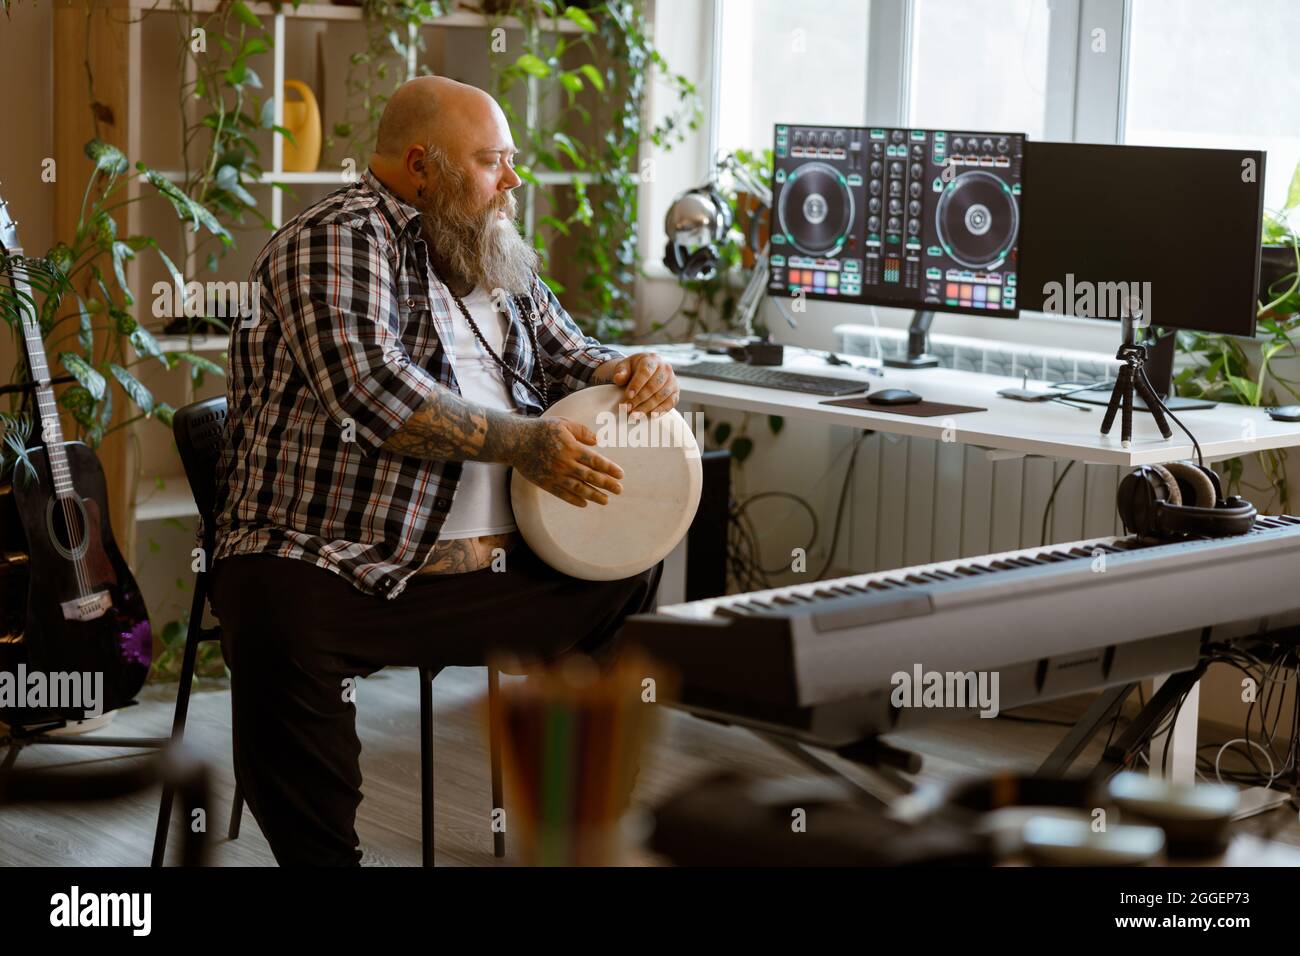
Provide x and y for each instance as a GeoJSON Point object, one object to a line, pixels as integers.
{"type": "Point", "coordinates": [482, 248]}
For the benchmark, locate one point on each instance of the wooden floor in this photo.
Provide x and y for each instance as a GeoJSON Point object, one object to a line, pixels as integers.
{"type": "Point", "coordinates": [121, 833]}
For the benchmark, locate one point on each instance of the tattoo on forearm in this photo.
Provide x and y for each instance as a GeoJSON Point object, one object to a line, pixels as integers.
{"type": "Point", "coordinates": [449, 428]}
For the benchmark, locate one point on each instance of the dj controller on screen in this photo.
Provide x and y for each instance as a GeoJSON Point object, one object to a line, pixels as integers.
{"type": "Point", "coordinates": [927, 219]}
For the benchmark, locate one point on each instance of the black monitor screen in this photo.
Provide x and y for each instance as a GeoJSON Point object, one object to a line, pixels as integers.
{"type": "Point", "coordinates": [1176, 230]}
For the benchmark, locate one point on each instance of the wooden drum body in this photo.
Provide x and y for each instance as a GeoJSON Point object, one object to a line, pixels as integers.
{"type": "Point", "coordinates": [662, 479]}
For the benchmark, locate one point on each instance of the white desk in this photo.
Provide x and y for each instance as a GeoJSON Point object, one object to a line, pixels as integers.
{"type": "Point", "coordinates": [1048, 429]}
{"type": "Point", "coordinates": [1040, 428]}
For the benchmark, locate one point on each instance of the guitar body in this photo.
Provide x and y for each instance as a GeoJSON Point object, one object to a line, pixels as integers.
{"type": "Point", "coordinates": [84, 609]}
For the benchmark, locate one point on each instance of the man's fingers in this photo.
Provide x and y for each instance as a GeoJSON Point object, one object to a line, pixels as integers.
{"type": "Point", "coordinates": [584, 490]}
{"type": "Point", "coordinates": [654, 399]}
{"type": "Point", "coordinates": [598, 480]}
{"type": "Point", "coordinates": [600, 463]}
{"type": "Point", "coordinates": [667, 405]}
{"type": "Point", "coordinates": [640, 377]}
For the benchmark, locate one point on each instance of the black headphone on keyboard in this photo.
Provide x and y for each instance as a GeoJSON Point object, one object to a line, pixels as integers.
{"type": "Point", "coordinates": [1180, 498]}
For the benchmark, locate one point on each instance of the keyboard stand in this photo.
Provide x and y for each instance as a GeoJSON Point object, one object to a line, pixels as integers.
{"type": "Point", "coordinates": [1252, 800]}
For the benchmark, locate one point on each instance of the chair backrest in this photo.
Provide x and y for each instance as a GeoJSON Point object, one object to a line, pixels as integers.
{"type": "Point", "coordinates": [198, 429]}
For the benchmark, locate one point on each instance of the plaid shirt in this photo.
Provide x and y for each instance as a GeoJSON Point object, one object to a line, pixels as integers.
{"type": "Point", "coordinates": [351, 338]}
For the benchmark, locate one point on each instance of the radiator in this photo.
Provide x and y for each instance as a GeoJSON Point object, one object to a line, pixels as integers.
{"type": "Point", "coordinates": [917, 500]}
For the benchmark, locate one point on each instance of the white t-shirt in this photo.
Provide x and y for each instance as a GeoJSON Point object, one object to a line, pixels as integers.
{"type": "Point", "coordinates": [481, 504]}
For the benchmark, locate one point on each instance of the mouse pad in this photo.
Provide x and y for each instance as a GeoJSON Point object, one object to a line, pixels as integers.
{"type": "Point", "coordinates": [921, 409]}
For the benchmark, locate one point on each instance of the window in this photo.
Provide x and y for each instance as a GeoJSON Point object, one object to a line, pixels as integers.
{"type": "Point", "coordinates": [1222, 75]}
{"type": "Point", "coordinates": [979, 64]}
{"type": "Point", "coordinates": [786, 62]}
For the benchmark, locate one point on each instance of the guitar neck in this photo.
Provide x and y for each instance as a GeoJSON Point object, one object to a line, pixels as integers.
{"type": "Point", "coordinates": [51, 430]}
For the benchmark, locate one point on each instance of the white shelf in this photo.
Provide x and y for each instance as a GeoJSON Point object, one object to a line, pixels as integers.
{"type": "Point", "coordinates": [326, 11]}
{"type": "Point", "coordinates": [546, 177]}
{"type": "Point", "coordinates": [192, 343]}
{"type": "Point", "coordinates": [173, 500]}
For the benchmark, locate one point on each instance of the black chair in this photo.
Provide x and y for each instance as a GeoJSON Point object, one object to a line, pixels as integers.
{"type": "Point", "coordinates": [198, 429]}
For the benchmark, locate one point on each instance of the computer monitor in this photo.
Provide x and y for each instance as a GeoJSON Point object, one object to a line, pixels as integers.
{"type": "Point", "coordinates": [911, 218]}
{"type": "Point", "coordinates": [1176, 231]}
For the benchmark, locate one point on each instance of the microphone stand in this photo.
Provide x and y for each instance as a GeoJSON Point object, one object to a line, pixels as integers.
{"type": "Point", "coordinates": [1132, 376]}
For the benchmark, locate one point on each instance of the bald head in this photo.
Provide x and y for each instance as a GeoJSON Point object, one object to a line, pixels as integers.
{"type": "Point", "coordinates": [431, 109]}
{"type": "Point", "coordinates": [457, 121]}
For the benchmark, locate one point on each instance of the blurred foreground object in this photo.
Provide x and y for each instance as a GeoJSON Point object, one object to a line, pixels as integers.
{"type": "Point", "coordinates": [571, 737]}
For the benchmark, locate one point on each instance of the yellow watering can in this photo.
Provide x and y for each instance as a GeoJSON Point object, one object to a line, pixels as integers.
{"type": "Point", "coordinates": [302, 119]}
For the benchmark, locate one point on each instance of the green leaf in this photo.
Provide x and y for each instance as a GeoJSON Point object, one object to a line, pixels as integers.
{"type": "Point", "coordinates": [146, 344]}
{"type": "Point", "coordinates": [84, 373]}
{"type": "Point", "coordinates": [139, 394]}
{"type": "Point", "coordinates": [722, 432]}
{"type": "Point", "coordinates": [571, 82]}
{"type": "Point", "coordinates": [741, 448]}
{"type": "Point", "coordinates": [776, 423]}
{"type": "Point", "coordinates": [555, 223]}
{"type": "Point", "coordinates": [567, 147]}
{"type": "Point", "coordinates": [254, 45]}
{"type": "Point", "coordinates": [533, 65]}
{"type": "Point", "coordinates": [228, 179]}
{"type": "Point", "coordinates": [186, 208]}
{"type": "Point", "coordinates": [107, 159]}
{"type": "Point", "coordinates": [204, 364]}
{"type": "Point", "coordinates": [121, 252]}
{"type": "Point", "coordinates": [245, 15]}
{"type": "Point", "coordinates": [581, 18]}
{"type": "Point", "coordinates": [593, 76]}
{"type": "Point", "coordinates": [267, 119]}
{"type": "Point", "coordinates": [86, 335]}
{"type": "Point", "coordinates": [1294, 190]}
{"type": "Point", "coordinates": [164, 412]}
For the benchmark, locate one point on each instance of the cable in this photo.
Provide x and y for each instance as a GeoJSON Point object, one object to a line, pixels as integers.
{"type": "Point", "coordinates": [1200, 459]}
{"type": "Point", "coordinates": [839, 509]}
{"type": "Point", "coordinates": [741, 512]}
{"type": "Point", "coordinates": [1047, 509]}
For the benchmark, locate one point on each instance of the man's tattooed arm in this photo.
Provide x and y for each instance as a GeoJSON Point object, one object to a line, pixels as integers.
{"type": "Point", "coordinates": [449, 428]}
{"type": "Point", "coordinates": [551, 452]}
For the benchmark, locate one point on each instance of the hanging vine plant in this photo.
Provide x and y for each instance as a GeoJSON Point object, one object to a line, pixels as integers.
{"type": "Point", "coordinates": [605, 172]}
{"type": "Point", "coordinates": [376, 70]}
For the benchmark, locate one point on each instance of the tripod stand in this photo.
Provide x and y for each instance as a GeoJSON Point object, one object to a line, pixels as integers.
{"type": "Point", "coordinates": [1132, 375]}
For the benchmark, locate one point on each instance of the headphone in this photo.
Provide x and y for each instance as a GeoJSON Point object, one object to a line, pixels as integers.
{"type": "Point", "coordinates": [1180, 498]}
{"type": "Point", "coordinates": [703, 262]}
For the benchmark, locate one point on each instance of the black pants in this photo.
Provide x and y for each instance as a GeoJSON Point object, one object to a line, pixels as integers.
{"type": "Point", "coordinates": [293, 633]}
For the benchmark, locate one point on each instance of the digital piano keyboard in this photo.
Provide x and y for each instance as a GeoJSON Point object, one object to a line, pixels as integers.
{"type": "Point", "coordinates": [817, 660]}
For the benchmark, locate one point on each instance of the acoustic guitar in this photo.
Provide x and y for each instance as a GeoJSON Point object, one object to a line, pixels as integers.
{"type": "Point", "coordinates": [84, 613]}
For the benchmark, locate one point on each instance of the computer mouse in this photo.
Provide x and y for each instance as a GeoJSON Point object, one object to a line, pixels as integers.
{"type": "Point", "coordinates": [893, 396]}
{"type": "Point", "coordinates": [1285, 413]}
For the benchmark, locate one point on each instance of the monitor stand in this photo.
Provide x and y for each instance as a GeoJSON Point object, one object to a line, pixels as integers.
{"type": "Point", "coordinates": [1160, 364]}
{"type": "Point", "coordinates": [918, 344]}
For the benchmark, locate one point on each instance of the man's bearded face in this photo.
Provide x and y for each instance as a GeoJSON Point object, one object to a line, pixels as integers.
{"type": "Point", "coordinates": [479, 245]}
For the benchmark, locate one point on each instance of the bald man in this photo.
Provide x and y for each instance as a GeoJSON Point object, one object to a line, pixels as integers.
{"type": "Point", "coordinates": [404, 353]}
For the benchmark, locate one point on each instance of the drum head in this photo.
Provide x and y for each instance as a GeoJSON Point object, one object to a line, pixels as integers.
{"type": "Point", "coordinates": [662, 479]}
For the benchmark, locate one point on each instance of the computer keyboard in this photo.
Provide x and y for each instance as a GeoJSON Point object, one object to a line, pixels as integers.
{"type": "Point", "coordinates": [766, 377]}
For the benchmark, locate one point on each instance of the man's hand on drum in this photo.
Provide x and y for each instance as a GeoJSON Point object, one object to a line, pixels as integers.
{"type": "Point", "coordinates": [554, 454]}
{"type": "Point", "coordinates": [650, 385]}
